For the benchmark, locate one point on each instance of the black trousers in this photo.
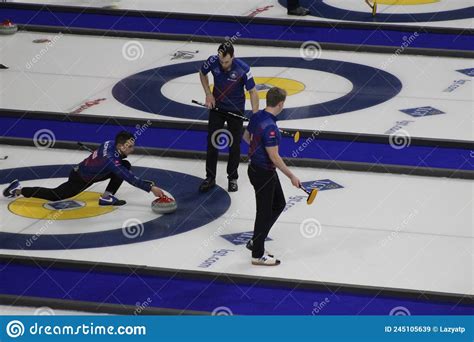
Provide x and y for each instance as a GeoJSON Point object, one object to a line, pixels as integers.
{"type": "Point", "coordinates": [270, 204]}
{"type": "Point", "coordinates": [73, 186]}
{"type": "Point", "coordinates": [292, 4]}
{"type": "Point", "coordinates": [234, 126]}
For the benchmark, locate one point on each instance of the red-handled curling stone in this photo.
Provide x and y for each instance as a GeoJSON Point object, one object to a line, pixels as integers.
{"type": "Point", "coordinates": [7, 27]}
{"type": "Point", "coordinates": [164, 205]}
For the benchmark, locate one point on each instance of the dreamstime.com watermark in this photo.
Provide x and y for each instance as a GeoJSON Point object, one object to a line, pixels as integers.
{"type": "Point", "coordinates": [16, 328]}
{"type": "Point", "coordinates": [394, 234]}
{"type": "Point", "coordinates": [31, 240]}
{"type": "Point", "coordinates": [133, 228]}
{"type": "Point", "coordinates": [220, 229]}
{"type": "Point", "coordinates": [222, 311]}
{"type": "Point", "coordinates": [318, 307]}
{"type": "Point", "coordinates": [407, 41]}
{"type": "Point", "coordinates": [310, 50]}
{"type": "Point", "coordinates": [303, 145]}
{"type": "Point", "coordinates": [310, 228]}
{"type": "Point", "coordinates": [44, 311]}
{"type": "Point", "coordinates": [222, 138]}
{"type": "Point", "coordinates": [399, 140]}
{"type": "Point", "coordinates": [133, 50]}
{"type": "Point", "coordinates": [141, 129]}
{"type": "Point", "coordinates": [399, 311]}
{"type": "Point", "coordinates": [228, 41]}
{"type": "Point", "coordinates": [44, 138]}
{"type": "Point", "coordinates": [140, 307]}
{"type": "Point", "coordinates": [36, 58]}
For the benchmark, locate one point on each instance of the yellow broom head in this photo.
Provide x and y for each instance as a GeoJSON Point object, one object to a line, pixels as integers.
{"type": "Point", "coordinates": [296, 137]}
{"type": "Point", "coordinates": [312, 196]}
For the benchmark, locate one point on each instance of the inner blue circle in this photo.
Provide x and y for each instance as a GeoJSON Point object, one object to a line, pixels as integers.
{"type": "Point", "coordinates": [322, 10]}
{"type": "Point", "coordinates": [371, 86]}
{"type": "Point", "coordinates": [194, 210]}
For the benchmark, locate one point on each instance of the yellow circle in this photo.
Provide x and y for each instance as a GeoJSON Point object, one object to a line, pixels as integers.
{"type": "Point", "coordinates": [405, 2]}
{"type": "Point", "coordinates": [87, 206]}
{"type": "Point", "coordinates": [292, 87]}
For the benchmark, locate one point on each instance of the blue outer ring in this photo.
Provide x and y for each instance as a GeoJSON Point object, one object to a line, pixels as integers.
{"type": "Point", "coordinates": [371, 86]}
{"type": "Point", "coordinates": [193, 211]}
{"type": "Point", "coordinates": [322, 10]}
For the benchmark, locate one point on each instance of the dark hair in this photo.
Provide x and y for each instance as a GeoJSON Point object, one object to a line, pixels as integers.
{"type": "Point", "coordinates": [122, 137]}
{"type": "Point", "coordinates": [226, 49]}
{"type": "Point", "coordinates": [274, 96]}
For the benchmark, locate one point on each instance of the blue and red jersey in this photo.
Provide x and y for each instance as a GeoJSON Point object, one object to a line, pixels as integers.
{"type": "Point", "coordinates": [264, 133]}
{"type": "Point", "coordinates": [229, 85]}
{"type": "Point", "coordinates": [105, 160]}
